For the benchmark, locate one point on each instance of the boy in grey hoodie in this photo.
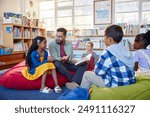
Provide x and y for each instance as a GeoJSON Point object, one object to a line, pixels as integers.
{"type": "Point", "coordinates": [115, 66]}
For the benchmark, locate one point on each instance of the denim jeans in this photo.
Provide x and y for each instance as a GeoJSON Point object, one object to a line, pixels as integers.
{"type": "Point", "coordinates": [64, 69]}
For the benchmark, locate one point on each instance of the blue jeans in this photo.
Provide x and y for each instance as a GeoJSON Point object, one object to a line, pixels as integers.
{"type": "Point", "coordinates": [64, 69]}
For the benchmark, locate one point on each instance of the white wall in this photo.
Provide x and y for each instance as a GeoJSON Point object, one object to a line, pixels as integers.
{"type": "Point", "coordinates": [9, 6]}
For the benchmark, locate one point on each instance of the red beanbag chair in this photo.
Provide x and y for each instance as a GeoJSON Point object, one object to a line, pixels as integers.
{"type": "Point", "coordinates": [13, 78]}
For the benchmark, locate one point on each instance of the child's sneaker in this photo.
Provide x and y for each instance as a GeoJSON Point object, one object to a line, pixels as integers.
{"type": "Point", "coordinates": [46, 90]}
{"type": "Point", "coordinates": [57, 89]}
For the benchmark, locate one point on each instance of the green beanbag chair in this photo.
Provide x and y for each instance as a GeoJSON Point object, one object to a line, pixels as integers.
{"type": "Point", "coordinates": [138, 91]}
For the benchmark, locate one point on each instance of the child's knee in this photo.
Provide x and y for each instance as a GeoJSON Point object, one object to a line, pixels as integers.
{"type": "Point", "coordinates": [88, 73]}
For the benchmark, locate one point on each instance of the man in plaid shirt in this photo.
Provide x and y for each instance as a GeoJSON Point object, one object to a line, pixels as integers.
{"type": "Point", "coordinates": [115, 66]}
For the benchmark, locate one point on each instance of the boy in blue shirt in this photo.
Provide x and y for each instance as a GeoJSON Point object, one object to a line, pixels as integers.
{"type": "Point", "coordinates": [115, 66]}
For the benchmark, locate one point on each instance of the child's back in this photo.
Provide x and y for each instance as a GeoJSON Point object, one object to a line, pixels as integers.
{"type": "Point", "coordinates": [116, 66]}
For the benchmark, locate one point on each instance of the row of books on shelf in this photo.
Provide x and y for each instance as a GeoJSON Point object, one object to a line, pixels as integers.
{"type": "Point", "coordinates": [36, 33]}
{"type": "Point", "coordinates": [10, 17]}
{"type": "Point", "coordinates": [127, 29]}
{"type": "Point", "coordinates": [144, 28]}
{"type": "Point", "coordinates": [130, 29]}
{"type": "Point", "coordinates": [99, 42]}
{"type": "Point", "coordinates": [26, 33]}
{"type": "Point", "coordinates": [19, 46]}
{"type": "Point", "coordinates": [75, 32]}
{"type": "Point", "coordinates": [17, 32]}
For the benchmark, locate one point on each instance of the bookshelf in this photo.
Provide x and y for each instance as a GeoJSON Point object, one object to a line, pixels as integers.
{"type": "Point", "coordinates": [19, 37]}
{"type": "Point", "coordinates": [10, 60]}
{"type": "Point", "coordinates": [98, 49]}
{"type": "Point", "coordinates": [80, 41]}
{"type": "Point", "coordinates": [94, 36]}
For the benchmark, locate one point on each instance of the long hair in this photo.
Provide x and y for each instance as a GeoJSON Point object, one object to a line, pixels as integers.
{"type": "Point", "coordinates": [32, 48]}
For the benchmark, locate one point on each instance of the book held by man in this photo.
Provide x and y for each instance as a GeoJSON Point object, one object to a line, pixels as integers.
{"type": "Point", "coordinates": [82, 60]}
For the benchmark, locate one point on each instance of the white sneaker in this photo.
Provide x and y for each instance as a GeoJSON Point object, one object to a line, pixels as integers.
{"type": "Point", "coordinates": [57, 89]}
{"type": "Point", "coordinates": [46, 90]}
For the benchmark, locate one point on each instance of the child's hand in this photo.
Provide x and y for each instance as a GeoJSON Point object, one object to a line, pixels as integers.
{"type": "Point", "coordinates": [50, 59]}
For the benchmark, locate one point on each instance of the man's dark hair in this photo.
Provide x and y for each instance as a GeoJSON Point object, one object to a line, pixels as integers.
{"type": "Point", "coordinates": [115, 32]}
{"type": "Point", "coordinates": [62, 30]}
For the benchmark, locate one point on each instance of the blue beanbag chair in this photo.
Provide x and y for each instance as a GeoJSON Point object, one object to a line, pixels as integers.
{"type": "Point", "coordinates": [75, 94]}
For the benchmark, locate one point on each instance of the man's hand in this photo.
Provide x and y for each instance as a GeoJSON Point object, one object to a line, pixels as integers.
{"type": "Point", "coordinates": [50, 59]}
{"type": "Point", "coordinates": [65, 58]}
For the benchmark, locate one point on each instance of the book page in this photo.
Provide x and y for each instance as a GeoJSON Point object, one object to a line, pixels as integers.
{"type": "Point", "coordinates": [83, 60]}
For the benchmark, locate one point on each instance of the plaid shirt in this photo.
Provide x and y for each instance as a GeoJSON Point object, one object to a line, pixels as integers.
{"type": "Point", "coordinates": [113, 72]}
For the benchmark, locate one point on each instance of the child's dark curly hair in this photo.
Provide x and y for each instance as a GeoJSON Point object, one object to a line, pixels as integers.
{"type": "Point", "coordinates": [145, 37]}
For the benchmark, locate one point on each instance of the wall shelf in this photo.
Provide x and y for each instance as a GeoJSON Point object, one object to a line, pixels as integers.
{"type": "Point", "coordinates": [20, 36]}
{"type": "Point", "coordinates": [98, 49]}
{"type": "Point", "coordinates": [90, 36]}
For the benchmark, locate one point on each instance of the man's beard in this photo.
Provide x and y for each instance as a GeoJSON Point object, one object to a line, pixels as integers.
{"type": "Point", "coordinates": [59, 41]}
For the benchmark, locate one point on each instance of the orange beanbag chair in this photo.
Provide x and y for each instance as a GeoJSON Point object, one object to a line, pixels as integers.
{"type": "Point", "coordinates": [13, 78]}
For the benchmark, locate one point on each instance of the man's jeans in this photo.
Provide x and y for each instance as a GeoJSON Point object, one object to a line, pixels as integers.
{"type": "Point", "coordinates": [64, 69]}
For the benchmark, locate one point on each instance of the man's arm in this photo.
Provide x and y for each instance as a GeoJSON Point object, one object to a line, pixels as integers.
{"type": "Point", "coordinates": [53, 52]}
{"type": "Point", "coordinates": [71, 55]}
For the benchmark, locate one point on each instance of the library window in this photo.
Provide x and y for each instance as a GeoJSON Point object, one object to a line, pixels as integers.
{"type": "Point", "coordinates": [146, 11]}
{"type": "Point", "coordinates": [78, 14]}
{"type": "Point", "coordinates": [127, 11]}
{"type": "Point", "coordinates": [47, 13]}
{"type": "Point", "coordinates": [132, 11]}
{"type": "Point", "coordinates": [71, 14]}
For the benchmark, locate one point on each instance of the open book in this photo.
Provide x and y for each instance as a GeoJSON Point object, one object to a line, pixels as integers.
{"type": "Point", "coordinates": [83, 60]}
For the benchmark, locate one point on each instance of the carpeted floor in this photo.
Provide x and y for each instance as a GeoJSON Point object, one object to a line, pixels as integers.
{"type": "Point", "coordinates": [13, 94]}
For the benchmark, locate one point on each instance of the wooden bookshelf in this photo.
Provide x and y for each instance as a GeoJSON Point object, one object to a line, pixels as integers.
{"type": "Point", "coordinates": [90, 36]}
{"type": "Point", "coordinates": [16, 36]}
{"type": "Point", "coordinates": [74, 38]}
{"type": "Point", "coordinates": [11, 59]}
{"type": "Point", "coordinates": [98, 49]}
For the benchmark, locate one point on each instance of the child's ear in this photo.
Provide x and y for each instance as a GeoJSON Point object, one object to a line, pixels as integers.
{"type": "Point", "coordinates": [111, 40]}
